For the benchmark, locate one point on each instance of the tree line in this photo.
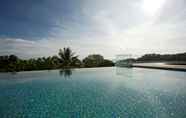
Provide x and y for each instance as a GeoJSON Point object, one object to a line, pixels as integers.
{"type": "Point", "coordinates": [164, 57]}
{"type": "Point", "coordinates": [179, 58]}
{"type": "Point", "coordinates": [65, 59]}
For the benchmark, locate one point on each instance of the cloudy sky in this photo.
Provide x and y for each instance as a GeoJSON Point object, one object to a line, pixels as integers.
{"type": "Point", "coordinates": [32, 28]}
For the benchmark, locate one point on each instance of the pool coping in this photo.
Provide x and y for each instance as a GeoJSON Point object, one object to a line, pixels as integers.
{"type": "Point", "coordinates": [160, 66]}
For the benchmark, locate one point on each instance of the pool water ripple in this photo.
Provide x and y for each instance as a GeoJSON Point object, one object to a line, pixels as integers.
{"type": "Point", "coordinates": [93, 93]}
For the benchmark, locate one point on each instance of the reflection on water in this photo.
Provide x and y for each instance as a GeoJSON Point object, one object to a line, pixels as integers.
{"type": "Point", "coordinates": [122, 71]}
{"type": "Point", "coordinates": [95, 92]}
{"type": "Point", "coordinates": [65, 73]}
{"type": "Point", "coordinates": [13, 73]}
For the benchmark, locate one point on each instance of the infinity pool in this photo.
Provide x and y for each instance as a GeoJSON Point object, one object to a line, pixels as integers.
{"type": "Point", "coordinates": [93, 93]}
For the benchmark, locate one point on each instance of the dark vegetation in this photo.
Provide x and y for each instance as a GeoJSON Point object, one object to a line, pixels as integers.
{"type": "Point", "coordinates": [68, 59]}
{"type": "Point", "coordinates": [65, 59]}
{"type": "Point", "coordinates": [96, 60]}
{"type": "Point", "coordinates": [179, 58]}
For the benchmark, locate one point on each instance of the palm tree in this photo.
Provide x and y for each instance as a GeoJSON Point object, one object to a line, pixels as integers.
{"type": "Point", "coordinates": [67, 57]}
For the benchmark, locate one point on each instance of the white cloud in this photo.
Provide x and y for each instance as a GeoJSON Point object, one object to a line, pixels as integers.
{"type": "Point", "coordinates": [111, 28]}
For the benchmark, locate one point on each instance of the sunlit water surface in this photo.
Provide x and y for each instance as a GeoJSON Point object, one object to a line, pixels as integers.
{"type": "Point", "coordinates": [93, 93]}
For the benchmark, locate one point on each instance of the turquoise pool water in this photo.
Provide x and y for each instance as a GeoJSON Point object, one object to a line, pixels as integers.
{"type": "Point", "coordinates": [93, 93]}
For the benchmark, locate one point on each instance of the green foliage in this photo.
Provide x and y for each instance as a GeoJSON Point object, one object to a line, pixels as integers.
{"type": "Point", "coordinates": [177, 59]}
{"type": "Point", "coordinates": [66, 59]}
{"type": "Point", "coordinates": [107, 63]}
{"type": "Point", "coordinates": [166, 57]}
{"type": "Point", "coordinates": [10, 63]}
{"type": "Point", "coordinates": [96, 60]}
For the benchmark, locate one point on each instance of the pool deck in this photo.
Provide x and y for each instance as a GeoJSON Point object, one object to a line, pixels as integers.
{"type": "Point", "coordinates": [160, 66]}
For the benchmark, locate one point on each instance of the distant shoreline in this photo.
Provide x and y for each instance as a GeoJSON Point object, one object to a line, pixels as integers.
{"type": "Point", "coordinates": [162, 66]}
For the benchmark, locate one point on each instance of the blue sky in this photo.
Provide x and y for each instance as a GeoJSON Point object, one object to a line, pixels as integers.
{"type": "Point", "coordinates": [33, 28]}
{"type": "Point", "coordinates": [33, 19]}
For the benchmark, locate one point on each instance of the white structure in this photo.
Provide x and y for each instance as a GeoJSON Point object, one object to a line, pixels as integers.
{"type": "Point", "coordinates": [123, 60]}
